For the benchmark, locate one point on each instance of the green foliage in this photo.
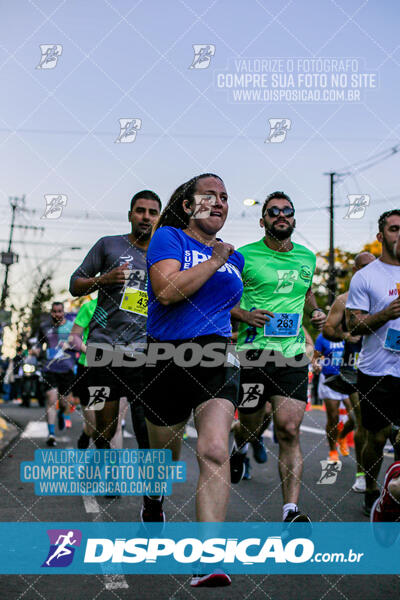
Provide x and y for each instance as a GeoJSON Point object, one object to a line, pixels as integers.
{"type": "Point", "coordinates": [344, 262]}
{"type": "Point", "coordinates": [28, 319]}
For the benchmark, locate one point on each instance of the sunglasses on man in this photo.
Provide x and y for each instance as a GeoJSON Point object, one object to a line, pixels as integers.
{"type": "Point", "coordinates": [275, 211]}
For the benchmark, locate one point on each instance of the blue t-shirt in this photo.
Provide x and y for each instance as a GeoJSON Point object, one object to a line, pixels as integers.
{"type": "Point", "coordinates": [332, 352]}
{"type": "Point", "coordinates": [57, 359]}
{"type": "Point", "coordinates": [205, 312]}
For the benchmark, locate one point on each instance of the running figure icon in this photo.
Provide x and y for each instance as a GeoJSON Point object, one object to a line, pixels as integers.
{"type": "Point", "coordinates": [62, 549]}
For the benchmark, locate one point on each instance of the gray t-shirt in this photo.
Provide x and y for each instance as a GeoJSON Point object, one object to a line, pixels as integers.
{"type": "Point", "coordinates": [111, 324]}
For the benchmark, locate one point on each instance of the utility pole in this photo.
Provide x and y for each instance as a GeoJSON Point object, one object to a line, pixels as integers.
{"type": "Point", "coordinates": [331, 257]}
{"type": "Point", "coordinates": [8, 258]}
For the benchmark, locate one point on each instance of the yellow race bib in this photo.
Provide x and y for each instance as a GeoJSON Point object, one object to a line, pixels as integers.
{"type": "Point", "coordinates": [135, 301]}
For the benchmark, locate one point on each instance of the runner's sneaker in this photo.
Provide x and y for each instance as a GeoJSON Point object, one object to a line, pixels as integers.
{"type": "Point", "coordinates": [343, 447]}
{"type": "Point", "coordinates": [259, 450]}
{"type": "Point", "coordinates": [359, 484]}
{"type": "Point", "coordinates": [385, 507]}
{"type": "Point", "coordinates": [303, 524]}
{"type": "Point", "coordinates": [215, 579]}
{"type": "Point", "coordinates": [152, 510]}
{"type": "Point", "coordinates": [83, 441]}
{"type": "Point", "coordinates": [333, 456]}
{"type": "Point", "coordinates": [60, 419]}
{"type": "Point", "coordinates": [51, 441]}
{"type": "Point", "coordinates": [247, 469]}
{"type": "Point", "coordinates": [369, 498]}
{"type": "Point", "coordinates": [295, 516]}
{"type": "Point", "coordinates": [237, 465]}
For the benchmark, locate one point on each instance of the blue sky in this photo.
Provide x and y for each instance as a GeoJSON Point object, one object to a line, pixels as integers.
{"type": "Point", "coordinates": [131, 60]}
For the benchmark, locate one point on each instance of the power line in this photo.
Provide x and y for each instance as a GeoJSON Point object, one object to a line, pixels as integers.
{"type": "Point", "coordinates": [334, 177]}
{"type": "Point", "coordinates": [368, 163]}
{"type": "Point", "coordinates": [53, 244]}
{"type": "Point", "coordinates": [114, 134]}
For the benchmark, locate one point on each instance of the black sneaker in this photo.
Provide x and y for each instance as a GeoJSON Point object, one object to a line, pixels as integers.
{"type": "Point", "coordinates": [295, 516]}
{"type": "Point", "coordinates": [247, 469]}
{"type": "Point", "coordinates": [237, 464]}
{"type": "Point", "coordinates": [216, 579]}
{"type": "Point", "coordinates": [60, 419]}
{"type": "Point", "coordinates": [300, 521]}
{"type": "Point", "coordinates": [259, 451]}
{"type": "Point", "coordinates": [51, 441]}
{"type": "Point", "coordinates": [83, 441]}
{"type": "Point", "coordinates": [152, 510]}
{"type": "Point", "coordinates": [369, 498]}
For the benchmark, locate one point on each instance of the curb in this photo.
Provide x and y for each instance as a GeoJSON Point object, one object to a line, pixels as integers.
{"type": "Point", "coordinates": [8, 433]}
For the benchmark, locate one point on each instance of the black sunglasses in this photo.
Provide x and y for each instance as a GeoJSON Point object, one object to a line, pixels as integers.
{"type": "Point", "coordinates": [275, 211]}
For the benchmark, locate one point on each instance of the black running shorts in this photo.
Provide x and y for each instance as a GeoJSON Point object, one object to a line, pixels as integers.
{"type": "Point", "coordinates": [109, 383]}
{"type": "Point", "coordinates": [172, 391]}
{"type": "Point", "coordinates": [278, 376]}
{"type": "Point", "coordinates": [63, 382]}
{"type": "Point", "coordinates": [80, 389]}
{"type": "Point", "coordinates": [379, 401]}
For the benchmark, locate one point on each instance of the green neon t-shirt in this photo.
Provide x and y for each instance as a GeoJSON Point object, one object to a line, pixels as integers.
{"type": "Point", "coordinates": [83, 319]}
{"type": "Point", "coordinates": [275, 281]}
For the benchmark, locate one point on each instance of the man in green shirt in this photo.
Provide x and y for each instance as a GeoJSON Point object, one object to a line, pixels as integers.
{"type": "Point", "coordinates": [277, 278]}
{"type": "Point", "coordinates": [78, 337]}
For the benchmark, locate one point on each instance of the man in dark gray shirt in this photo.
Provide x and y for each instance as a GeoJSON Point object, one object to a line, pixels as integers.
{"type": "Point", "coordinates": [116, 267]}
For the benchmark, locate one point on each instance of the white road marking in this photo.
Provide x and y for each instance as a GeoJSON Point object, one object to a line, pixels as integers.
{"type": "Point", "coordinates": [91, 505]}
{"type": "Point", "coordinates": [312, 430]}
{"type": "Point", "coordinates": [39, 430]}
{"type": "Point", "coordinates": [115, 582]}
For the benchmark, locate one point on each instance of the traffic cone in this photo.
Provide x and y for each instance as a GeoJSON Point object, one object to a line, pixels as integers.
{"type": "Point", "coordinates": [350, 439]}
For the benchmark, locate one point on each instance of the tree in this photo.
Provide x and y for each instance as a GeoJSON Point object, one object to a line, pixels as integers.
{"type": "Point", "coordinates": [344, 262]}
{"type": "Point", "coordinates": [374, 247]}
{"type": "Point", "coordinates": [29, 316]}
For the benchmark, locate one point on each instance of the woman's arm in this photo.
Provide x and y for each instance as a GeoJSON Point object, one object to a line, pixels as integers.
{"type": "Point", "coordinates": [170, 285]}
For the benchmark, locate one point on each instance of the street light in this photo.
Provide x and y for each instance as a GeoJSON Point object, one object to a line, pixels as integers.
{"type": "Point", "coordinates": [250, 202]}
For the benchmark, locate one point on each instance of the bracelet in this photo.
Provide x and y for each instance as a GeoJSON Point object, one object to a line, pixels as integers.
{"type": "Point", "coordinates": [317, 309]}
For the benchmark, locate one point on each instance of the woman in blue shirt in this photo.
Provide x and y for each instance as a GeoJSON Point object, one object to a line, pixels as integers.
{"type": "Point", "coordinates": [327, 360]}
{"type": "Point", "coordinates": [194, 282]}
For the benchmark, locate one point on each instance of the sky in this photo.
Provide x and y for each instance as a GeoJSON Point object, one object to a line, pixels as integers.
{"type": "Point", "coordinates": [169, 65]}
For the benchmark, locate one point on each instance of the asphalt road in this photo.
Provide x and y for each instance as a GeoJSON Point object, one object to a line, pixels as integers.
{"type": "Point", "coordinates": [255, 500]}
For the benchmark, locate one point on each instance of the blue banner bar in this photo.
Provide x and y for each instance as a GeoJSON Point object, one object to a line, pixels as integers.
{"type": "Point", "coordinates": [247, 548]}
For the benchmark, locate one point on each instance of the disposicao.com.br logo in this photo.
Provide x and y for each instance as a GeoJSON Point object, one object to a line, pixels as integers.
{"type": "Point", "coordinates": [248, 551]}
{"type": "Point", "coordinates": [62, 547]}
{"type": "Point", "coordinates": [180, 548]}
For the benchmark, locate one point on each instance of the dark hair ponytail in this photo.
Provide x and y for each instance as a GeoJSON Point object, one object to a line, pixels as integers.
{"type": "Point", "coordinates": [173, 214]}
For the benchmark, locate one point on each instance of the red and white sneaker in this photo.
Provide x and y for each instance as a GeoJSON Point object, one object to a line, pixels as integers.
{"type": "Point", "coordinates": [152, 510]}
{"type": "Point", "coordinates": [386, 508]}
{"type": "Point", "coordinates": [215, 579]}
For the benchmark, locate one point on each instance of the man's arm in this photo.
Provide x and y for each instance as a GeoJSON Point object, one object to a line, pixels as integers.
{"type": "Point", "coordinates": [318, 316]}
{"type": "Point", "coordinates": [315, 361]}
{"type": "Point", "coordinates": [85, 280]}
{"type": "Point", "coordinates": [333, 329]}
{"type": "Point", "coordinates": [360, 322]}
{"type": "Point", "coordinates": [359, 319]}
{"type": "Point", "coordinates": [255, 318]}
{"type": "Point", "coordinates": [75, 338]}
{"type": "Point", "coordinates": [309, 343]}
